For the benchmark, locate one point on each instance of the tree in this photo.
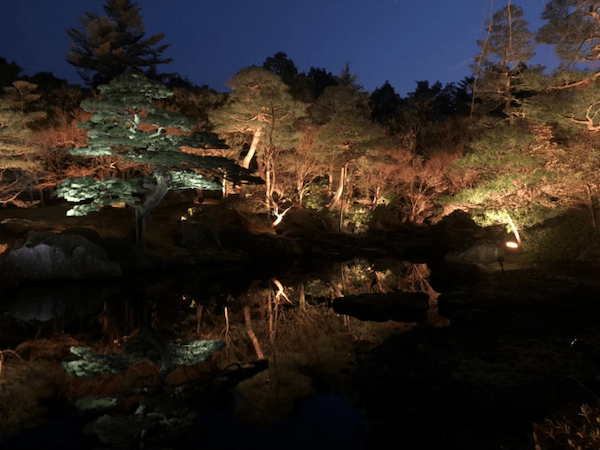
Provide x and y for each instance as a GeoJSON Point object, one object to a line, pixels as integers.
{"type": "Point", "coordinates": [259, 103]}
{"type": "Point", "coordinates": [347, 78]}
{"type": "Point", "coordinates": [20, 166]}
{"type": "Point", "coordinates": [573, 28]}
{"type": "Point", "coordinates": [281, 66]}
{"type": "Point", "coordinates": [9, 72]}
{"type": "Point", "coordinates": [126, 124]}
{"type": "Point", "coordinates": [109, 45]}
{"type": "Point", "coordinates": [384, 102]}
{"type": "Point", "coordinates": [346, 131]}
{"type": "Point", "coordinates": [505, 176]}
{"type": "Point", "coordinates": [261, 106]}
{"type": "Point", "coordinates": [504, 52]}
{"type": "Point", "coordinates": [320, 80]}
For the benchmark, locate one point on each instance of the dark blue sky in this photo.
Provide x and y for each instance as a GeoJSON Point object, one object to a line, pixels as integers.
{"type": "Point", "coordinates": [402, 41]}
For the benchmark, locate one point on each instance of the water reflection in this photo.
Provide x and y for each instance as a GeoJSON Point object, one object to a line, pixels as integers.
{"type": "Point", "coordinates": [284, 316]}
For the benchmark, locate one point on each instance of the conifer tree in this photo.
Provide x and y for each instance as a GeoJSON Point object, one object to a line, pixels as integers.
{"type": "Point", "coordinates": [109, 45]}
{"type": "Point", "coordinates": [20, 162]}
{"type": "Point", "coordinates": [125, 124]}
{"type": "Point", "coordinates": [346, 131]}
{"type": "Point", "coordinates": [508, 46]}
{"type": "Point", "coordinates": [260, 105]}
{"type": "Point", "coordinates": [573, 28]}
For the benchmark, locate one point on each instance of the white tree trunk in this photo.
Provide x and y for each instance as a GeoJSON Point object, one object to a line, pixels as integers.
{"type": "Point", "coordinates": [255, 140]}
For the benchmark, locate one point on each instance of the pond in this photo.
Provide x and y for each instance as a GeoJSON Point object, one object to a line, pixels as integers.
{"type": "Point", "coordinates": [285, 315]}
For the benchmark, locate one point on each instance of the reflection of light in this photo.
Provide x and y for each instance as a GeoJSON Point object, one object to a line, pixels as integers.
{"type": "Point", "coordinates": [511, 244]}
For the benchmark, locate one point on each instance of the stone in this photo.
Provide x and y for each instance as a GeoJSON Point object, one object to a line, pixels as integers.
{"type": "Point", "coordinates": [449, 303]}
{"type": "Point", "coordinates": [16, 226]}
{"type": "Point", "coordinates": [60, 257]}
{"type": "Point", "coordinates": [481, 252]}
{"type": "Point", "coordinates": [89, 233]}
{"type": "Point", "coordinates": [398, 306]}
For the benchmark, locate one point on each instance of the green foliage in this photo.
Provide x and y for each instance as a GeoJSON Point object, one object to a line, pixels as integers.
{"type": "Point", "coordinates": [317, 195]}
{"type": "Point", "coordinates": [360, 217]}
{"type": "Point", "coordinates": [492, 190]}
{"type": "Point", "coordinates": [522, 217]}
{"type": "Point", "coordinates": [126, 124]}
{"type": "Point", "coordinates": [573, 28]}
{"type": "Point", "coordinates": [104, 192]}
{"type": "Point", "coordinates": [573, 238]}
{"type": "Point", "coordinates": [499, 147]}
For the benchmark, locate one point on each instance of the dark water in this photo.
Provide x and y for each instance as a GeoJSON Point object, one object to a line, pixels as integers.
{"type": "Point", "coordinates": [326, 420]}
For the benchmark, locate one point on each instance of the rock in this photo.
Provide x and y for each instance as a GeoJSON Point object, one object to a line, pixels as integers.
{"type": "Point", "coordinates": [89, 233]}
{"type": "Point", "coordinates": [60, 256]}
{"type": "Point", "coordinates": [16, 226]}
{"type": "Point", "coordinates": [121, 250]}
{"type": "Point", "coordinates": [398, 306]}
{"type": "Point", "coordinates": [457, 230]}
{"type": "Point", "coordinates": [451, 302]}
{"type": "Point", "coordinates": [35, 237]}
{"type": "Point", "coordinates": [191, 234]}
{"type": "Point", "coordinates": [481, 252]}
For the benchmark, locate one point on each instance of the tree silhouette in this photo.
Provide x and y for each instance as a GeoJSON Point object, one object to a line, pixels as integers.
{"type": "Point", "coordinates": [109, 45]}
{"type": "Point", "coordinates": [9, 72]}
{"type": "Point", "coordinates": [384, 102]}
{"type": "Point", "coordinates": [282, 66]}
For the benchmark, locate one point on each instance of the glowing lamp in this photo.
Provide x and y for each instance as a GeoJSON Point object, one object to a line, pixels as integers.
{"type": "Point", "coordinates": [511, 244]}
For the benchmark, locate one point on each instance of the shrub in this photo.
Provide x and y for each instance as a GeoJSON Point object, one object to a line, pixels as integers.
{"type": "Point", "coordinates": [573, 238]}
{"type": "Point", "coordinates": [576, 430]}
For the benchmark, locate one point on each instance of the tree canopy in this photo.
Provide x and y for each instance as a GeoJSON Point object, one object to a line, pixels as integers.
{"type": "Point", "coordinates": [109, 45]}
{"type": "Point", "coordinates": [126, 124]}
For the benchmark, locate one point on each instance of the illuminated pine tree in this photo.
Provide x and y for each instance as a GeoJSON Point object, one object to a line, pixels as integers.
{"type": "Point", "coordinates": [125, 124]}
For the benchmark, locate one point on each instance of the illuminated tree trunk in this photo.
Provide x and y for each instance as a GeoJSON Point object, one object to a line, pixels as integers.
{"type": "Point", "coordinates": [250, 332]}
{"type": "Point", "coordinates": [337, 198]}
{"type": "Point", "coordinates": [143, 211]}
{"type": "Point", "coordinates": [255, 140]}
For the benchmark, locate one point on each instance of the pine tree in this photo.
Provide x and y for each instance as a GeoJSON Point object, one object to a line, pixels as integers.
{"type": "Point", "coordinates": [346, 131]}
{"type": "Point", "coordinates": [109, 45]}
{"type": "Point", "coordinates": [504, 52]}
{"type": "Point", "coordinates": [260, 105]}
{"type": "Point", "coordinates": [20, 158]}
{"type": "Point", "coordinates": [573, 28]}
{"type": "Point", "coordinates": [125, 124]}
{"type": "Point", "coordinates": [9, 72]}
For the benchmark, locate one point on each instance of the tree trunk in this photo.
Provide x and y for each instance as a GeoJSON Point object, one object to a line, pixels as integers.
{"type": "Point", "coordinates": [143, 211]}
{"type": "Point", "coordinates": [255, 140]}
{"type": "Point", "coordinates": [251, 334]}
{"type": "Point", "coordinates": [336, 200]}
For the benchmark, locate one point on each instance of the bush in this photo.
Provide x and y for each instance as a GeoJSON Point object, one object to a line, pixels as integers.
{"type": "Point", "coordinates": [572, 238]}
{"type": "Point", "coordinates": [575, 429]}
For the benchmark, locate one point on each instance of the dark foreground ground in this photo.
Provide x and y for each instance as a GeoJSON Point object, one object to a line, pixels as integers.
{"type": "Point", "coordinates": [502, 365]}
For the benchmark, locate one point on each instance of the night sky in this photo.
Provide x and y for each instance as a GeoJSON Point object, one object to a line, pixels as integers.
{"type": "Point", "coordinates": [402, 41]}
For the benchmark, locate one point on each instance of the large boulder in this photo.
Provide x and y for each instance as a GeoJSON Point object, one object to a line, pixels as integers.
{"type": "Point", "coordinates": [482, 252]}
{"type": "Point", "coordinates": [59, 256]}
